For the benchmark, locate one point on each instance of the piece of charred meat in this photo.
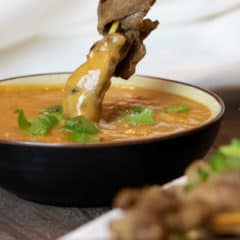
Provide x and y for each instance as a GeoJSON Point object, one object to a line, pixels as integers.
{"type": "Point", "coordinates": [123, 26]}
{"type": "Point", "coordinates": [146, 218]}
{"type": "Point", "coordinates": [133, 26]}
{"type": "Point", "coordinates": [158, 214]}
{"type": "Point", "coordinates": [206, 207]}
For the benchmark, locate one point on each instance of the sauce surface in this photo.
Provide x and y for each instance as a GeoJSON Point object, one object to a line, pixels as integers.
{"type": "Point", "coordinates": [34, 98]}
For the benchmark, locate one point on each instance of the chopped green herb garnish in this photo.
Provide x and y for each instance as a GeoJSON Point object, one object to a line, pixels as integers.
{"type": "Point", "coordinates": [23, 122]}
{"type": "Point", "coordinates": [81, 125]}
{"type": "Point", "coordinates": [52, 109]}
{"type": "Point", "coordinates": [37, 126]}
{"type": "Point", "coordinates": [188, 187]}
{"type": "Point", "coordinates": [217, 162]}
{"type": "Point", "coordinates": [82, 130]}
{"type": "Point", "coordinates": [233, 163]}
{"type": "Point", "coordinates": [202, 174]}
{"type": "Point", "coordinates": [221, 163]}
{"type": "Point", "coordinates": [137, 110]}
{"type": "Point", "coordinates": [139, 116]}
{"type": "Point", "coordinates": [42, 124]}
{"type": "Point", "coordinates": [176, 109]}
{"type": "Point", "coordinates": [227, 157]}
{"type": "Point", "coordinates": [232, 150]}
{"type": "Point", "coordinates": [83, 137]}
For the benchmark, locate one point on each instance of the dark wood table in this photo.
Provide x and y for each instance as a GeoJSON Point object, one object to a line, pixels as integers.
{"type": "Point", "coordinates": [23, 220]}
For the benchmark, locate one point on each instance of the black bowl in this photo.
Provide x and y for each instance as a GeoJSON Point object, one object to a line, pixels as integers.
{"type": "Point", "coordinates": [91, 174]}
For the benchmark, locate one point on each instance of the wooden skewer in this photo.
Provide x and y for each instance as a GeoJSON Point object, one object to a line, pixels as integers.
{"type": "Point", "coordinates": [114, 27]}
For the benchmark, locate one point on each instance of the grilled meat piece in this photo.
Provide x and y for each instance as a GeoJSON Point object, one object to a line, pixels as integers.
{"type": "Point", "coordinates": [212, 206]}
{"type": "Point", "coordinates": [86, 87]}
{"type": "Point", "coordinates": [131, 15]}
{"type": "Point", "coordinates": [127, 198]}
{"type": "Point", "coordinates": [129, 12]}
{"type": "Point", "coordinates": [220, 192]}
{"type": "Point", "coordinates": [146, 215]}
{"type": "Point", "coordinates": [116, 54]}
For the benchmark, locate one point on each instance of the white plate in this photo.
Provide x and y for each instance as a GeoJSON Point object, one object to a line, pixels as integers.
{"type": "Point", "coordinates": [98, 228]}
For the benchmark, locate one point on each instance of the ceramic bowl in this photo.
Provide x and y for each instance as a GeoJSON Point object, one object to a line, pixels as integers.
{"type": "Point", "coordinates": [91, 174]}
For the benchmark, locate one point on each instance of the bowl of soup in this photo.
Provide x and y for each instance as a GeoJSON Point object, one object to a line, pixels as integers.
{"type": "Point", "coordinates": [150, 130]}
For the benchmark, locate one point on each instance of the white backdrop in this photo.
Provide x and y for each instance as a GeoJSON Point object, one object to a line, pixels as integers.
{"type": "Point", "coordinates": [197, 40]}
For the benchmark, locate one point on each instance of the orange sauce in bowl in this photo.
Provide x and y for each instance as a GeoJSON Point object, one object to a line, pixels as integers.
{"type": "Point", "coordinates": [33, 98]}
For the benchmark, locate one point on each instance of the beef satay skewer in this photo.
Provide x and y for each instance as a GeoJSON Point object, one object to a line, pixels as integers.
{"type": "Point", "coordinates": [86, 87]}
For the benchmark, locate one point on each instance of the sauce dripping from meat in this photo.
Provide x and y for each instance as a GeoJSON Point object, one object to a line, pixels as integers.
{"type": "Point", "coordinates": [87, 86]}
{"type": "Point", "coordinates": [116, 54]}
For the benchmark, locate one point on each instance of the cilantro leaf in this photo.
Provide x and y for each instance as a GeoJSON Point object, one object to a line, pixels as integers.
{"type": "Point", "coordinates": [233, 163]}
{"type": "Point", "coordinates": [82, 130]}
{"type": "Point", "coordinates": [52, 109]}
{"type": "Point", "coordinates": [176, 109]}
{"type": "Point", "coordinates": [217, 162]}
{"type": "Point", "coordinates": [42, 124]}
{"type": "Point", "coordinates": [37, 126]}
{"type": "Point", "coordinates": [55, 110]}
{"type": "Point", "coordinates": [83, 137]}
{"type": "Point", "coordinates": [232, 150]}
{"type": "Point", "coordinates": [226, 158]}
{"type": "Point", "coordinates": [139, 116]}
{"type": "Point", "coordinates": [81, 125]}
{"type": "Point", "coordinates": [203, 175]}
{"type": "Point", "coordinates": [188, 186]}
{"type": "Point", "coordinates": [137, 110]}
{"type": "Point", "coordinates": [23, 122]}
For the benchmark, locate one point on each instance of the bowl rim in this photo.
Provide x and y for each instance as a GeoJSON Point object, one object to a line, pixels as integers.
{"type": "Point", "coordinates": [121, 143]}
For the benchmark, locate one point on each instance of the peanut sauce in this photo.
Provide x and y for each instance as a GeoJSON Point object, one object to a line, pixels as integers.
{"type": "Point", "coordinates": [34, 98]}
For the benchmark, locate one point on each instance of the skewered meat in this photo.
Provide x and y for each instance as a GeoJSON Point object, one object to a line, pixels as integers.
{"type": "Point", "coordinates": [86, 87]}
{"type": "Point", "coordinates": [131, 15]}
{"type": "Point", "coordinates": [156, 213]}
{"type": "Point", "coordinates": [117, 54]}
{"type": "Point", "coordinates": [224, 186]}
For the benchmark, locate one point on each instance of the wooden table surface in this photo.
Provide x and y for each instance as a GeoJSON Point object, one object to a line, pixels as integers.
{"type": "Point", "coordinates": [23, 220]}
